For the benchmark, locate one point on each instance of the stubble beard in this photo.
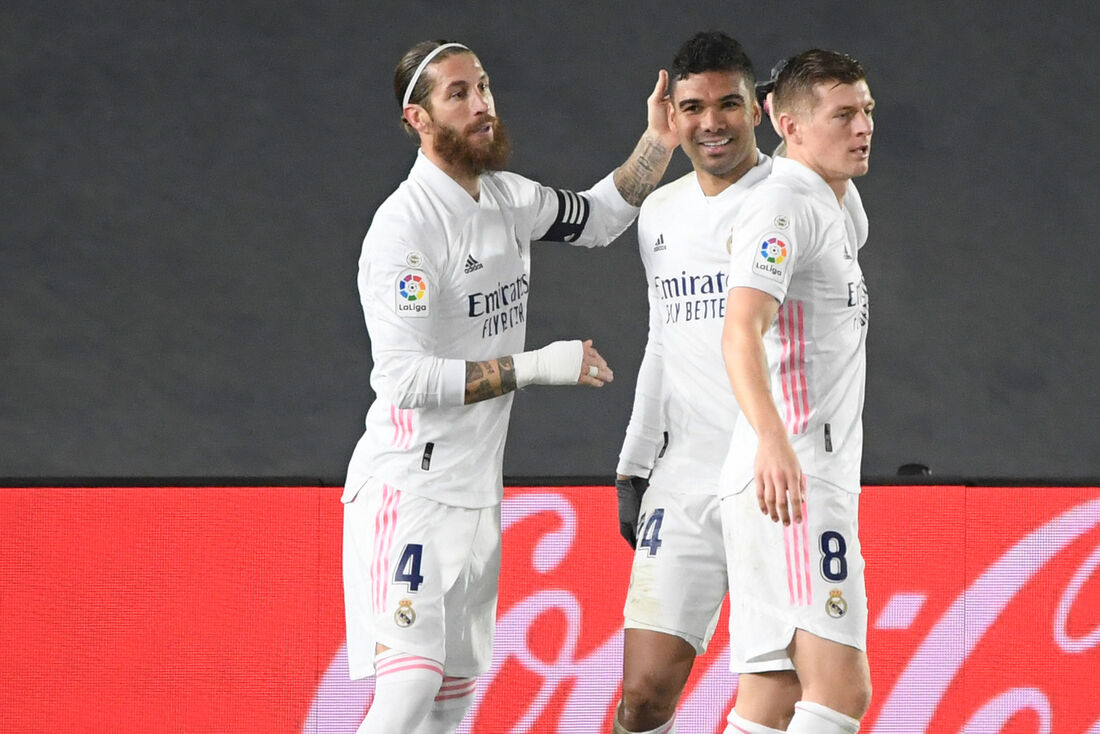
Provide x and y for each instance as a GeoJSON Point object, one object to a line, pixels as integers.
{"type": "Point", "coordinates": [455, 148]}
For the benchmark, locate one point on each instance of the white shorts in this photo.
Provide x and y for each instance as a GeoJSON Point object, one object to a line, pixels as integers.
{"type": "Point", "coordinates": [807, 576]}
{"type": "Point", "coordinates": [420, 577]}
{"type": "Point", "coordinates": [678, 580]}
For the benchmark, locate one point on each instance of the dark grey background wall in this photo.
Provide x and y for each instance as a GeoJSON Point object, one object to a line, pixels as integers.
{"type": "Point", "coordinates": [185, 186]}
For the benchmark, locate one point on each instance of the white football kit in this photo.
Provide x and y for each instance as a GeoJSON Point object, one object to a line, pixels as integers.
{"type": "Point", "coordinates": [684, 409]}
{"type": "Point", "coordinates": [443, 280]}
{"type": "Point", "coordinates": [795, 242]}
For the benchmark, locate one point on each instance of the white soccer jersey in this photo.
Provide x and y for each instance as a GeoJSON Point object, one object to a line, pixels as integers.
{"type": "Point", "coordinates": [443, 280]}
{"type": "Point", "coordinates": [794, 241]}
{"type": "Point", "coordinates": [683, 392]}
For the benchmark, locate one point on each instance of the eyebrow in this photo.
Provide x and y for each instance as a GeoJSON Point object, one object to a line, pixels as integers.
{"type": "Point", "coordinates": [843, 108]}
{"type": "Point", "coordinates": [734, 97]}
{"type": "Point", "coordinates": [457, 83]}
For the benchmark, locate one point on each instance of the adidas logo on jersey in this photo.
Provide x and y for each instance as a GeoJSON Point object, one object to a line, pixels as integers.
{"type": "Point", "coordinates": [660, 243]}
{"type": "Point", "coordinates": [472, 264]}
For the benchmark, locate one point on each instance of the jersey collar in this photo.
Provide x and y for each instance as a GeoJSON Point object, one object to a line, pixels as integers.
{"type": "Point", "coordinates": [812, 179]}
{"type": "Point", "coordinates": [436, 180]}
{"type": "Point", "coordinates": [753, 176]}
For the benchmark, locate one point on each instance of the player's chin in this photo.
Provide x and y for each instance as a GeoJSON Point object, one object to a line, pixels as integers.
{"type": "Point", "coordinates": [860, 167]}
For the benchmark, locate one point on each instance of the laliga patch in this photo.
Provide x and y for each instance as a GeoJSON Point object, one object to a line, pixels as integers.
{"type": "Point", "coordinates": [412, 295]}
{"type": "Point", "coordinates": [835, 606]}
{"type": "Point", "coordinates": [415, 259]}
{"type": "Point", "coordinates": [772, 257]}
{"type": "Point", "coordinates": [404, 616]}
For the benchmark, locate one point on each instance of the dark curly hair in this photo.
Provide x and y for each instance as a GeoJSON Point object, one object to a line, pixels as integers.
{"type": "Point", "coordinates": [711, 51]}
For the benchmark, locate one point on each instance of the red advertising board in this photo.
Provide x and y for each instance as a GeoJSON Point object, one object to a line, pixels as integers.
{"type": "Point", "coordinates": [219, 609]}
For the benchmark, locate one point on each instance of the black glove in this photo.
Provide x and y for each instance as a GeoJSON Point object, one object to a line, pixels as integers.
{"type": "Point", "coordinates": [630, 493]}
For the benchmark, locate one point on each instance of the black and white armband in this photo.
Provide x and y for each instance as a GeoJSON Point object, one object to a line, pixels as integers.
{"type": "Point", "coordinates": [573, 211]}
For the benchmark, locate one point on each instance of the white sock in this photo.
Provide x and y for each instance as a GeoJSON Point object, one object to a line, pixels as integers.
{"type": "Point", "coordinates": [404, 690]}
{"type": "Point", "coordinates": [738, 725]}
{"type": "Point", "coordinates": [454, 699]}
{"type": "Point", "coordinates": [813, 718]}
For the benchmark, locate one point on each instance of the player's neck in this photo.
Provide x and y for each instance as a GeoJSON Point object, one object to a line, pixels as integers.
{"type": "Point", "coordinates": [713, 184]}
{"type": "Point", "coordinates": [839, 186]}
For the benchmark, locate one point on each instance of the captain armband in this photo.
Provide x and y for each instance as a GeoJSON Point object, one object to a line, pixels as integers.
{"type": "Point", "coordinates": [573, 211]}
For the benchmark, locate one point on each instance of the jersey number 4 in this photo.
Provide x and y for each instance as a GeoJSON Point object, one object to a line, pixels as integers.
{"type": "Point", "coordinates": [408, 568]}
{"type": "Point", "coordinates": [651, 536]}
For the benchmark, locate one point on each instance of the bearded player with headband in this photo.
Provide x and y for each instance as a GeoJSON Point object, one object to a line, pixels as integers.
{"type": "Point", "coordinates": [443, 278]}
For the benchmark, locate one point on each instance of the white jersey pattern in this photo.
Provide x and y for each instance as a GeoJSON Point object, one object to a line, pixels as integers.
{"type": "Point", "coordinates": [443, 280]}
{"type": "Point", "coordinates": [683, 395]}
{"type": "Point", "coordinates": [795, 242]}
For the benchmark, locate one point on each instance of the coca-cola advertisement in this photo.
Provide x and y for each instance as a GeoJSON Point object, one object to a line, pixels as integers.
{"type": "Point", "coordinates": [220, 609]}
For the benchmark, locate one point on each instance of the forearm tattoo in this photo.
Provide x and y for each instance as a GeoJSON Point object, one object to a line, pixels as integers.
{"type": "Point", "coordinates": [489, 379]}
{"type": "Point", "coordinates": [641, 173]}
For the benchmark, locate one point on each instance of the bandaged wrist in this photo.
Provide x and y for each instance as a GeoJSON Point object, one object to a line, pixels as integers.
{"type": "Point", "coordinates": [558, 363]}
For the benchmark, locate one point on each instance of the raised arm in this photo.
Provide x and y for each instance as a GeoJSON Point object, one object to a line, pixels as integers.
{"type": "Point", "coordinates": [642, 171]}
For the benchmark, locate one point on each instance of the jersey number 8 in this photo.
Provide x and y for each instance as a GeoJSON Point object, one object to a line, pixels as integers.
{"type": "Point", "coordinates": [834, 566]}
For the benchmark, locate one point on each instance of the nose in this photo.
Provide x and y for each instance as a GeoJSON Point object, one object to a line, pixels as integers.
{"type": "Point", "coordinates": [481, 102]}
{"type": "Point", "coordinates": [865, 124]}
{"type": "Point", "coordinates": [712, 120]}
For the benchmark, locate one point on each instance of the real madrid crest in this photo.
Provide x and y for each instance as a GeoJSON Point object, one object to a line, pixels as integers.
{"type": "Point", "coordinates": [404, 616]}
{"type": "Point", "coordinates": [835, 606]}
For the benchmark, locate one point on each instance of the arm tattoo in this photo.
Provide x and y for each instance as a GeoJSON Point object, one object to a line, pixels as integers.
{"type": "Point", "coordinates": [489, 379]}
{"type": "Point", "coordinates": [641, 173]}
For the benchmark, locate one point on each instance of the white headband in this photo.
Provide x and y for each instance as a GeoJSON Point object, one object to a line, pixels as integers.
{"type": "Point", "coordinates": [419, 69]}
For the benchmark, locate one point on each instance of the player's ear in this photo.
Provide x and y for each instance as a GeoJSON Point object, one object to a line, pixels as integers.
{"type": "Point", "coordinates": [787, 125]}
{"type": "Point", "coordinates": [418, 118]}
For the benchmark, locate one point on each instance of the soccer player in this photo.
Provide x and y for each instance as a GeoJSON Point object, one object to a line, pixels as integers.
{"type": "Point", "coordinates": [444, 278]}
{"type": "Point", "coordinates": [684, 409]}
{"type": "Point", "coordinates": [794, 346]}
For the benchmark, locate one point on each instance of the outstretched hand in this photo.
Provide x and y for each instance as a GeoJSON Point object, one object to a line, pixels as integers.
{"type": "Point", "coordinates": [591, 359]}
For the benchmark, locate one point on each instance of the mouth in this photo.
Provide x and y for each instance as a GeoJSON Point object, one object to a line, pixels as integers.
{"type": "Point", "coordinates": [715, 144]}
{"type": "Point", "coordinates": [862, 151]}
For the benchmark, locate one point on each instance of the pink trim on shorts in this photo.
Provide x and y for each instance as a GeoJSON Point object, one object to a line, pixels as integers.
{"type": "Point", "coordinates": [806, 549]}
{"type": "Point", "coordinates": [385, 526]}
{"type": "Point", "coordinates": [798, 564]}
{"type": "Point", "coordinates": [456, 688]}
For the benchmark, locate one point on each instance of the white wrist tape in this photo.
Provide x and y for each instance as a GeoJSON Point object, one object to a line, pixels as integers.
{"type": "Point", "coordinates": [558, 363]}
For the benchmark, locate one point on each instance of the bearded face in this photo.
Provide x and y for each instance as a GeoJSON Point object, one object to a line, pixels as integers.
{"type": "Point", "coordinates": [481, 146]}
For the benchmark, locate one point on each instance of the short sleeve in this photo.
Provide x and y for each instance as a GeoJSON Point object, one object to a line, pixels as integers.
{"type": "Point", "coordinates": [767, 242]}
